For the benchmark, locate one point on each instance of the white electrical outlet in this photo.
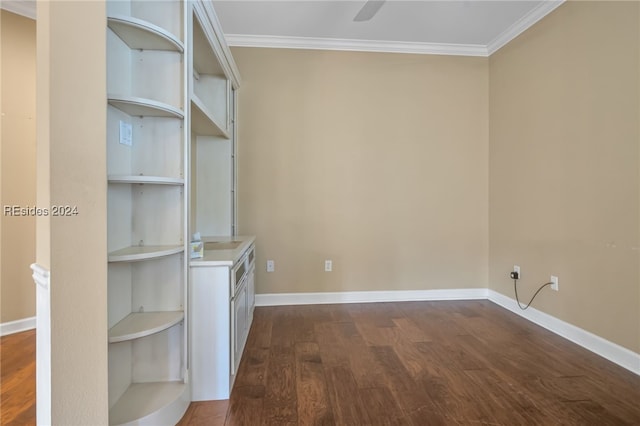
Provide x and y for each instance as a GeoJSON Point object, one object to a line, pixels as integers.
{"type": "Point", "coordinates": [554, 283]}
{"type": "Point", "coordinates": [516, 268]}
{"type": "Point", "coordinates": [271, 266]}
{"type": "Point", "coordinates": [328, 266]}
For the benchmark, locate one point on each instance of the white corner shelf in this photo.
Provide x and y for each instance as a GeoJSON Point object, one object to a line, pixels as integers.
{"type": "Point", "coordinates": [142, 324]}
{"type": "Point", "coordinates": [137, 253]}
{"type": "Point", "coordinates": [202, 121]}
{"type": "Point", "coordinates": [150, 403]}
{"type": "Point", "coordinates": [142, 107]}
{"type": "Point", "coordinates": [147, 87]}
{"type": "Point", "coordinates": [140, 34]}
{"type": "Point", "coordinates": [153, 180]}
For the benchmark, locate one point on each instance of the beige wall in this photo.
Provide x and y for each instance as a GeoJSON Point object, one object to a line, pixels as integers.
{"type": "Point", "coordinates": [376, 161]}
{"type": "Point", "coordinates": [71, 128]}
{"type": "Point", "coordinates": [18, 88]}
{"type": "Point", "coordinates": [564, 175]}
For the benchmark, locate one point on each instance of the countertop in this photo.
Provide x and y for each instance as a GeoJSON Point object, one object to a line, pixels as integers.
{"type": "Point", "coordinates": [223, 256]}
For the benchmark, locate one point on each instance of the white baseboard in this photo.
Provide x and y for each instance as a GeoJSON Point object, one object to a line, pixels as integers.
{"type": "Point", "coordinates": [606, 349]}
{"type": "Point", "coordinates": [596, 344]}
{"type": "Point", "coordinates": [17, 326]}
{"type": "Point", "coordinates": [280, 299]}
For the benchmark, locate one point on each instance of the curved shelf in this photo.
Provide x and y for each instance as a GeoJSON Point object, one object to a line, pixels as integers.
{"type": "Point", "coordinates": [202, 121]}
{"type": "Point", "coordinates": [144, 107]}
{"type": "Point", "coordinates": [151, 404]}
{"type": "Point", "coordinates": [137, 253]}
{"type": "Point", "coordinates": [142, 324]}
{"type": "Point", "coordinates": [140, 34]}
{"type": "Point", "coordinates": [154, 180]}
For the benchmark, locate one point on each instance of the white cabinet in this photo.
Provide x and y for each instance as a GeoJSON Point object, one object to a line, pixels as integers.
{"type": "Point", "coordinates": [147, 211]}
{"type": "Point", "coordinates": [221, 316]}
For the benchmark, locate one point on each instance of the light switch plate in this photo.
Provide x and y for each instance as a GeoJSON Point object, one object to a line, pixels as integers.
{"type": "Point", "coordinates": [126, 133]}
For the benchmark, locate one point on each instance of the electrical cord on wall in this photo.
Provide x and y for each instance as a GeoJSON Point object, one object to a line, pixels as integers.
{"type": "Point", "coordinates": [515, 288]}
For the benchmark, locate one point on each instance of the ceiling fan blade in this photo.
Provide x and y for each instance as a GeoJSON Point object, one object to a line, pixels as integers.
{"type": "Point", "coordinates": [370, 8]}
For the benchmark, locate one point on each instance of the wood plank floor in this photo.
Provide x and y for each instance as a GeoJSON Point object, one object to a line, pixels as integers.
{"type": "Point", "coordinates": [18, 379]}
{"type": "Point", "coordinates": [417, 363]}
{"type": "Point", "coordinates": [409, 363]}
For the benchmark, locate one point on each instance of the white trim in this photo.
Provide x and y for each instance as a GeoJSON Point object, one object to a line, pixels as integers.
{"type": "Point", "coordinates": [17, 326]}
{"type": "Point", "coordinates": [606, 349]}
{"type": "Point", "coordinates": [523, 24]}
{"type": "Point", "coordinates": [279, 299]}
{"type": "Point", "coordinates": [42, 278]}
{"type": "Point", "coordinates": [314, 43]}
{"type": "Point", "coordinates": [26, 8]}
{"type": "Point", "coordinates": [41, 275]}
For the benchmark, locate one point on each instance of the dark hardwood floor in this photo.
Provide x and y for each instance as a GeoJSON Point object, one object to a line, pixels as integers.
{"type": "Point", "coordinates": [409, 363]}
{"type": "Point", "coordinates": [417, 363]}
{"type": "Point", "coordinates": [18, 379]}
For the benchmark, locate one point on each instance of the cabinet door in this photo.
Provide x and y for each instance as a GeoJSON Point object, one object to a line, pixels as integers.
{"type": "Point", "coordinates": [251, 295]}
{"type": "Point", "coordinates": [239, 324]}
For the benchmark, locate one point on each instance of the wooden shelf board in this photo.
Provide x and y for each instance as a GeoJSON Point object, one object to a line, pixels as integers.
{"type": "Point", "coordinates": [137, 253]}
{"type": "Point", "coordinates": [142, 107]}
{"type": "Point", "coordinates": [140, 34]}
{"type": "Point", "coordinates": [142, 324]}
{"type": "Point", "coordinates": [149, 403]}
{"type": "Point", "coordinates": [154, 180]}
{"type": "Point", "coordinates": [202, 121]}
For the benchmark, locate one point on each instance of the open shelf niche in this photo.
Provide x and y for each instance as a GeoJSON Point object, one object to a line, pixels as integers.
{"type": "Point", "coordinates": [212, 130]}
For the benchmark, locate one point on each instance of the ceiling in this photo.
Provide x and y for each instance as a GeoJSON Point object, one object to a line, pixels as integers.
{"type": "Point", "coordinates": [21, 7]}
{"type": "Point", "coordinates": [475, 28]}
{"type": "Point", "coordinates": [449, 27]}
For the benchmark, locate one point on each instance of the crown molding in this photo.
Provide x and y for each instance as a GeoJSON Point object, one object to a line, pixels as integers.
{"type": "Point", "coordinates": [243, 40]}
{"type": "Point", "coordinates": [316, 43]}
{"type": "Point", "coordinates": [523, 24]}
{"type": "Point", "coordinates": [26, 8]}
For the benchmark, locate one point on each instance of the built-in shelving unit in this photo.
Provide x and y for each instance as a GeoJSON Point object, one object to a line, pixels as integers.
{"type": "Point", "coordinates": [147, 211]}
{"type": "Point", "coordinates": [170, 100]}
{"type": "Point", "coordinates": [212, 85]}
